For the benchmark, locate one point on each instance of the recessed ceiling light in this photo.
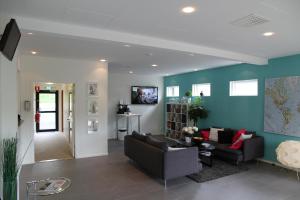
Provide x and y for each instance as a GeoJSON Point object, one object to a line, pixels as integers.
{"type": "Point", "coordinates": [49, 83]}
{"type": "Point", "coordinates": [127, 45]}
{"type": "Point", "coordinates": [154, 65]}
{"type": "Point", "coordinates": [195, 69]}
{"type": "Point", "coordinates": [33, 52]}
{"type": "Point", "coordinates": [103, 60]}
{"type": "Point", "coordinates": [167, 74]}
{"type": "Point", "coordinates": [188, 9]}
{"type": "Point", "coordinates": [29, 33]}
{"type": "Point", "coordinates": [268, 34]}
{"type": "Point", "coordinates": [130, 72]}
{"type": "Point", "coordinates": [149, 54]}
{"type": "Point", "coordinates": [191, 54]}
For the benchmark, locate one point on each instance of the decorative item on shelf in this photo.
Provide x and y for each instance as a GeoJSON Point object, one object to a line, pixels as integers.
{"type": "Point", "coordinates": [187, 98]}
{"type": "Point", "coordinates": [174, 100]}
{"type": "Point", "coordinates": [197, 140]}
{"type": "Point", "coordinates": [123, 108]}
{"type": "Point", "coordinates": [196, 111]}
{"type": "Point", "coordinates": [188, 133]}
{"type": "Point", "coordinates": [201, 94]}
{"type": "Point", "coordinates": [10, 167]}
{"type": "Point", "coordinates": [37, 88]}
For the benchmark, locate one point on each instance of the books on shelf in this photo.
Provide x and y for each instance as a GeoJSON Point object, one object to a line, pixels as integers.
{"type": "Point", "coordinates": [176, 119]}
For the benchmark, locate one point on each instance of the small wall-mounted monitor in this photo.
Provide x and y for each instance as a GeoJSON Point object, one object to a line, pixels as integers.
{"type": "Point", "coordinates": [10, 39]}
{"type": "Point", "coordinates": [144, 95]}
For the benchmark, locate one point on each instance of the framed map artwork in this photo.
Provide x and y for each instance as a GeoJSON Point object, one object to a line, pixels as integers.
{"type": "Point", "coordinates": [282, 105]}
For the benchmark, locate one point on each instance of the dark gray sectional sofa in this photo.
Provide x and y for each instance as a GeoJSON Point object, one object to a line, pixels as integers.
{"type": "Point", "coordinates": [153, 156]}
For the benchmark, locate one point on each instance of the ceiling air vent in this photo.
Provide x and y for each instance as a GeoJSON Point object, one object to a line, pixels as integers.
{"type": "Point", "coordinates": [249, 21]}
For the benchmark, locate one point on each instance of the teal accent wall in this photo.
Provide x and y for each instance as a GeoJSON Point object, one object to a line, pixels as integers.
{"type": "Point", "coordinates": [239, 112]}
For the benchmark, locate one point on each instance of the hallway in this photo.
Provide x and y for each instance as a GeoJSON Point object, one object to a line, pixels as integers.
{"type": "Point", "coordinates": [51, 145]}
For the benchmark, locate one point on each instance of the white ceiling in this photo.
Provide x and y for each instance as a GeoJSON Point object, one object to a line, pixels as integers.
{"type": "Point", "coordinates": [210, 26]}
{"type": "Point", "coordinates": [121, 59]}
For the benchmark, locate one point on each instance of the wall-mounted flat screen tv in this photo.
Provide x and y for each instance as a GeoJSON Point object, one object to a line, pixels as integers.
{"type": "Point", "coordinates": [144, 95]}
{"type": "Point", "coordinates": [10, 39]}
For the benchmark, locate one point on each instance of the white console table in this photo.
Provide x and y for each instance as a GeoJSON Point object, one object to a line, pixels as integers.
{"type": "Point", "coordinates": [128, 117]}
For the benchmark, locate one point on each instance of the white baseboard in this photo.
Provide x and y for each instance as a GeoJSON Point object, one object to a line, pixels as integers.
{"type": "Point", "coordinates": [277, 164]}
{"type": "Point", "coordinates": [91, 155]}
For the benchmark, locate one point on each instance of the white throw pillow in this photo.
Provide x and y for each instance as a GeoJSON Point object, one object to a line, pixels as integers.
{"type": "Point", "coordinates": [246, 136]}
{"type": "Point", "coordinates": [213, 134]}
{"type": "Point", "coordinates": [243, 137]}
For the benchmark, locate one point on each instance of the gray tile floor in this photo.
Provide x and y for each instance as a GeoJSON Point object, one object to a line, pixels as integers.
{"type": "Point", "coordinates": [114, 177]}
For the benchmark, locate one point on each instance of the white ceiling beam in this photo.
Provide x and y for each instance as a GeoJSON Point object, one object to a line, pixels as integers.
{"type": "Point", "coordinates": [104, 34]}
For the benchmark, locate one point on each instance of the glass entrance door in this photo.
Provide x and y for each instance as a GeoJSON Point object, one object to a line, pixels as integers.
{"type": "Point", "coordinates": [47, 107]}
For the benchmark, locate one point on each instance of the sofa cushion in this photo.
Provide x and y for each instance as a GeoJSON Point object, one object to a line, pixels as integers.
{"type": "Point", "coordinates": [213, 134]}
{"type": "Point", "coordinates": [237, 144]}
{"type": "Point", "coordinates": [138, 136]}
{"type": "Point", "coordinates": [238, 135]}
{"type": "Point", "coordinates": [225, 137]}
{"type": "Point", "coordinates": [224, 147]}
{"type": "Point", "coordinates": [229, 154]}
{"type": "Point", "coordinates": [205, 135]}
{"type": "Point", "coordinates": [157, 143]}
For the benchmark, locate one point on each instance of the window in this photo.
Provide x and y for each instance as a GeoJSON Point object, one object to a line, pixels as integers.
{"type": "Point", "coordinates": [243, 88]}
{"type": "Point", "coordinates": [173, 91]}
{"type": "Point", "coordinates": [198, 88]}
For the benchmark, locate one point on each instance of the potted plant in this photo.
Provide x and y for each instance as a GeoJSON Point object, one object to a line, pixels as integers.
{"type": "Point", "coordinates": [10, 168]}
{"type": "Point", "coordinates": [196, 111]}
{"type": "Point", "coordinates": [187, 98]}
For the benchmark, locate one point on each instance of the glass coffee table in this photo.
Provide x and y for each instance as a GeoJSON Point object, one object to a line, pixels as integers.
{"type": "Point", "coordinates": [206, 152]}
{"type": "Point", "coordinates": [47, 187]}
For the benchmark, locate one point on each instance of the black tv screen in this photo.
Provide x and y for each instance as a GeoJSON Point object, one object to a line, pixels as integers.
{"type": "Point", "coordinates": [144, 95]}
{"type": "Point", "coordinates": [10, 39]}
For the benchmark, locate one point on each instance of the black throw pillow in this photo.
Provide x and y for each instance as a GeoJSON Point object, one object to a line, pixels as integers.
{"type": "Point", "coordinates": [157, 143]}
{"type": "Point", "coordinates": [138, 136]}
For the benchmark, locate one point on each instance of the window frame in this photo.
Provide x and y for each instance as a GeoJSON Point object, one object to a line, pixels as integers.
{"type": "Point", "coordinates": [203, 92]}
{"type": "Point", "coordinates": [174, 92]}
{"type": "Point", "coordinates": [234, 93]}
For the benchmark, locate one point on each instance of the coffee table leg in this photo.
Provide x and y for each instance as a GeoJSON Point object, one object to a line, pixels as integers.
{"type": "Point", "coordinates": [208, 162]}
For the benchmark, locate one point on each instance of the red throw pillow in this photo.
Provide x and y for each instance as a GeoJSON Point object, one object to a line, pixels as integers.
{"type": "Point", "coordinates": [238, 135]}
{"type": "Point", "coordinates": [237, 145]}
{"type": "Point", "coordinates": [205, 135]}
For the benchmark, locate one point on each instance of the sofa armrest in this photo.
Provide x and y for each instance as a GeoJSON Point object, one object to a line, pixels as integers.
{"type": "Point", "coordinates": [253, 148]}
{"type": "Point", "coordinates": [181, 162]}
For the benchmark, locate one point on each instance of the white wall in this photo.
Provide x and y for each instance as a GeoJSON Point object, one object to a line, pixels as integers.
{"type": "Point", "coordinates": [43, 69]}
{"type": "Point", "coordinates": [119, 87]}
{"type": "Point", "coordinates": [8, 95]}
{"type": "Point", "coordinates": [8, 101]}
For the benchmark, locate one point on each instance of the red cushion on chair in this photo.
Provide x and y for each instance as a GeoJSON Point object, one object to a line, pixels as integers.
{"type": "Point", "coordinates": [205, 135]}
{"type": "Point", "coordinates": [238, 135]}
{"type": "Point", "coordinates": [237, 145]}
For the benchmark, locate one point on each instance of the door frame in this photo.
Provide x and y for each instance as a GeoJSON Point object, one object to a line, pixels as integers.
{"type": "Point", "coordinates": [56, 108]}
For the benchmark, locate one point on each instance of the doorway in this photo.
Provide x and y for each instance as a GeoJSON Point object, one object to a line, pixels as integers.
{"type": "Point", "coordinates": [54, 137]}
{"type": "Point", "coordinates": [47, 108]}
